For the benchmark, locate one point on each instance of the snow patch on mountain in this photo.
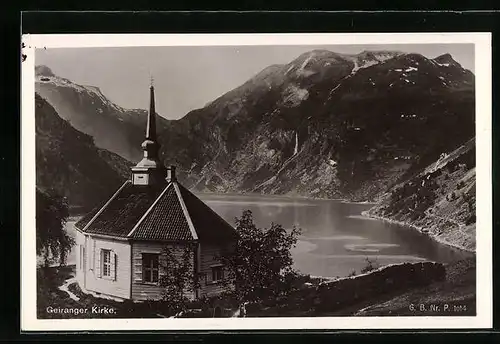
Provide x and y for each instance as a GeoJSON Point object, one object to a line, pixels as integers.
{"type": "Point", "coordinates": [302, 71]}
{"type": "Point", "coordinates": [333, 90]}
{"type": "Point", "coordinates": [366, 64]}
{"type": "Point", "coordinates": [304, 64]}
{"type": "Point", "coordinates": [289, 69]}
{"type": "Point", "coordinates": [409, 69]}
{"type": "Point", "coordinates": [368, 59]}
{"type": "Point", "coordinates": [91, 90]}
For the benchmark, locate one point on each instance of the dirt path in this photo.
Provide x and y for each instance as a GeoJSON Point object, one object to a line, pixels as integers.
{"type": "Point", "coordinates": [64, 288]}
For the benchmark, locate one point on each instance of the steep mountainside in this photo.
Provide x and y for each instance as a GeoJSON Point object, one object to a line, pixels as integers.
{"type": "Point", "coordinates": [326, 125]}
{"type": "Point", "coordinates": [68, 163]}
{"type": "Point", "coordinates": [440, 200]}
{"type": "Point", "coordinates": [323, 125]}
{"type": "Point", "coordinates": [113, 128]}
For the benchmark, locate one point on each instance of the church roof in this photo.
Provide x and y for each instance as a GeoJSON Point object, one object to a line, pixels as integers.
{"type": "Point", "coordinates": [157, 208]}
{"type": "Point", "coordinates": [166, 212]}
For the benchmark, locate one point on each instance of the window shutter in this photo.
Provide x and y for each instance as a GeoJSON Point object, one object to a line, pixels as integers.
{"type": "Point", "coordinates": [80, 257]}
{"type": "Point", "coordinates": [93, 257]}
{"type": "Point", "coordinates": [138, 268]}
{"type": "Point", "coordinates": [84, 257]}
{"type": "Point", "coordinates": [143, 273]}
{"type": "Point", "coordinates": [98, 265]}
{"type": "Point", "coordinates": [113, 265]}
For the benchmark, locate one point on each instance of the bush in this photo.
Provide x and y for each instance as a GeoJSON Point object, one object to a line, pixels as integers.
{"type": "Point", "coordinates": [370, 266]}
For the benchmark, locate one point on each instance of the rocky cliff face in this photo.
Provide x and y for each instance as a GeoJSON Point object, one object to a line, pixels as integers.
{"type": "Point", "coordinates": [113, 128]}
{"type": "Point", "coordinates": [70, 165]}
{"type": "Point", "coordinates": [326, 125]}
{"type": "Point", "coordinates": [440, 200]}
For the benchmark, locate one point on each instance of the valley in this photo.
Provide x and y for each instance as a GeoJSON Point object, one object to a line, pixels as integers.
{"type": "Point", "coordinates": [381, 126]}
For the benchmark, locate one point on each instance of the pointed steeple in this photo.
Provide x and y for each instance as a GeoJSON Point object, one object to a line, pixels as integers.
{"type": "Point", "coordinates": [149, 168]}
{"type": "Point", "coordinates": [151, 126]}
{"type": "Point", "coordinates": [150, 144]}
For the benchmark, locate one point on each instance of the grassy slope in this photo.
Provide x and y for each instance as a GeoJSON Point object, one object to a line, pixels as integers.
{"type": "Point", "coordinates": [458, 291]}
{"type": "Point", "coordinates": [48, 294]}
{"type": "Point", "coordinates": [441, 200]}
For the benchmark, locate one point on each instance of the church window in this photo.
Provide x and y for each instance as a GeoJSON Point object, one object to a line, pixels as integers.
{"type": "Point", "coordinates": [106, 263]}
{"type": "Point", "coordinates": [217, 273]}
{"type": "Point", "coordinates": [150, 267]}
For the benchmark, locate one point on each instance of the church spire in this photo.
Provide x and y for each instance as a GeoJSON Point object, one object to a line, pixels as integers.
{"type": "Point", "coordinates": [150, 144]}
{"type": "Point", "coordinates": [151, 126]}
{"type": "Point", "coordinates": [149, 168]}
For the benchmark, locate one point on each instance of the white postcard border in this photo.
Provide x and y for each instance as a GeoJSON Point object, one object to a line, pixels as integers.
{"type": "Point", "coordinates": [484, 280]}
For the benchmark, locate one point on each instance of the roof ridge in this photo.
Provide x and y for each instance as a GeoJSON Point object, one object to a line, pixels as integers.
{"type": "Point", "coordinates": [148, 211]}
{"type": "Point", "coordinates": [185, 211]}
{"type": "Point", "coordinates": [104, 206]}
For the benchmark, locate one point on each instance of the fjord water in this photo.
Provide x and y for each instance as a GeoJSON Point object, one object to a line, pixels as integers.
{"type": "Point", "coordinates": [335, 238]}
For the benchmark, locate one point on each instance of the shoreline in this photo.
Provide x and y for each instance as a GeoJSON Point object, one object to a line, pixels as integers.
{"type": "Point", "coordinates": [419, 229]}
{"type": "Point", "coordinates": [286, 196]}
{"type": "Point", "coordinates": [278, 196]}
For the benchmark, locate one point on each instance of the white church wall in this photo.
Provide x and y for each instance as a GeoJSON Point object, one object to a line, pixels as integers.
{"type": "Point", "coordinates": [118, 283]}
{"type": "Point", "coordinates": [80, 258]}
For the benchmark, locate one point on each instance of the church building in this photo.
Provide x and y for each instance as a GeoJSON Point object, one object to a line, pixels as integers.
{"type": "Point", "coordinates": [121, 243]}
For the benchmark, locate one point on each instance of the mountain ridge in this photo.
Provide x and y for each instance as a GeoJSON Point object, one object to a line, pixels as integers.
{"type": "Point", "coordinates": [273, 113]}
{"type": "Point", "coordinates": [113, 127]}
{"type": "Point", "coordinates": [324, 125]}
{"type": "Point", "coordinates": [70, 165]}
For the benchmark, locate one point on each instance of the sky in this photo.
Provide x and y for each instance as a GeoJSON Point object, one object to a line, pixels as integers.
{"type": "Point", "coordinates": [188, 77]}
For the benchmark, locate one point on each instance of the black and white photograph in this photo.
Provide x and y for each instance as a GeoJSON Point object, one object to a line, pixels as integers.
{"type": "Point", "coordinates": [328, 180]}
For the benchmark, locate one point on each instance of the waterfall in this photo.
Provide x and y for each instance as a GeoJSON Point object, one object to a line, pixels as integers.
{"type": "Point", "coordinates": [296, 150]}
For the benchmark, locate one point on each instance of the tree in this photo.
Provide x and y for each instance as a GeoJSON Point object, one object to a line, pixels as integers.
{"type": "Point", "coordinates": [261, 263]}
{"type": "Point", "coordinates": [177, 277]}
{"type": "Point", "coordinates": [52, 240]}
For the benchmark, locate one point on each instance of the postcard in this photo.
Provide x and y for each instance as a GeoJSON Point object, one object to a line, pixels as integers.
{"type": "Point", "coordinates": [256, 181]}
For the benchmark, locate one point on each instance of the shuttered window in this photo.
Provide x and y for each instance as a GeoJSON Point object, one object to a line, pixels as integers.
{"type": "Point", "coordinates": [81, 257]}
{"type": "Point", "coordinates": [150, 267]}
{"type": "Point", "coordinates": [107, 264]}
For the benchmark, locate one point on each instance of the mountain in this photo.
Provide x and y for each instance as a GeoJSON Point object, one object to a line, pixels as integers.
{"type": "Point", "coordinates": [440, 200]}
{"type": "Point", "coordinates": [113, 128]}
{"type": "Point", "coordinates": [326, 125]}
{"type": "Point", "coordinates": [70, 165]}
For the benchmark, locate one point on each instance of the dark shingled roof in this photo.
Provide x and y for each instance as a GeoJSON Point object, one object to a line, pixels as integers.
{"type": "Point", "coordinates": [87, 217]}
{"type": "Point", "coordinates": [167, 212]}
{"type": "Point", "coordinates": [124, 210]}
{"type": "Point", "coordinates": [166, 221]}
{"type": "Point", "coordinates": [208, 224]}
